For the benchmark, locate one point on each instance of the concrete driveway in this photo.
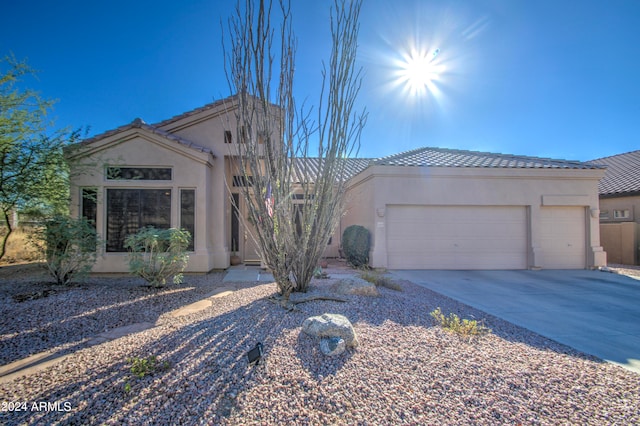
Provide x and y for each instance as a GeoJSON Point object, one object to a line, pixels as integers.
{"type": "Point", "coordinates": [595, 312]}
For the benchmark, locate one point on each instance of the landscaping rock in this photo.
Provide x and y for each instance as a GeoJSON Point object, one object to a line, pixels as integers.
{"type": "Point", "coordinates": [356, 286]}
{"type": "Point", "coordinates": [332, 346]}
{"type": "Point", "coordinates": [331, 325]}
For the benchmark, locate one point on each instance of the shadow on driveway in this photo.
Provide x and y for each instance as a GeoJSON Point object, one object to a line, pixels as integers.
{"type": "Point", "coordinates": [592, 311]}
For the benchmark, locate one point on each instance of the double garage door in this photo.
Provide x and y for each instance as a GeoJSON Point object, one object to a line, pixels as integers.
{"type": "Point", "coordinates": [481, 237]}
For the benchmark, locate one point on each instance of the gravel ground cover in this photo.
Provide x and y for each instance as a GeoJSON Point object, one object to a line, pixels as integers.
{"type": "Point", "coordinates": [406, 370]}
{"type": "Point", "coordinates": [38, 316]}
{"type": "Point", "coordinates": [630, 270]}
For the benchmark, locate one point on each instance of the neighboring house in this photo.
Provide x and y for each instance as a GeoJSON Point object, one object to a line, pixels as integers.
{"type": "Point", "coordinates": [427, 208]}
{"type": "Point", "coordinates": [620, 207]}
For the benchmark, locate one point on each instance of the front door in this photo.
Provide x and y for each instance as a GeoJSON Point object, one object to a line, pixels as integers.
{"type": "Point", "coordinates": [251, 254]}
{"type": "Point", "coordinates": [242, 233]}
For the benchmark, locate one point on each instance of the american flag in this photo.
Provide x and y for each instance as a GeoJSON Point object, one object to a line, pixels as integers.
{"type": "Point", "coordinates": [268, 200]}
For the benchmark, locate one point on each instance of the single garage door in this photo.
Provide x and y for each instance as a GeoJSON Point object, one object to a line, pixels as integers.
{"type": "Point", "coordinates": [562, 237]}
{"type": "Point", "coordinates": [456, 237]}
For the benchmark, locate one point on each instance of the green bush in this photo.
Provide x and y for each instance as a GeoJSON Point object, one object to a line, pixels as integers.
{"type": "Point", "coordinates": [463, 328]}
{"type": "Point", "coordinates": [356, 244]}
{"type": "Point", "coordinates": [157, 254]}
{"type": "Point", "coordinates": [69, 246]}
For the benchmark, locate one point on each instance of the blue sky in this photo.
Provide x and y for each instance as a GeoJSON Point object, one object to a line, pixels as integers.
{"type": "Point", "coordinates": [547, 78]}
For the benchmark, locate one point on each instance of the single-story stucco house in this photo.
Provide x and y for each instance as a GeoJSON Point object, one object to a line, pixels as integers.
{"type": "Point", "coordinates": [619, 192]}
{"type": "Point", "coordinates": [430, 208]}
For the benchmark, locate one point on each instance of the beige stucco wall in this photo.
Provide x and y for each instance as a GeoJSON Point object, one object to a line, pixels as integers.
{"type": "Point", "coordinates": [377, 187]}
{"type": "Point", "coordinates": [368, 196]}
{"type": "Point", "coordinates": [620, 236]}
{"type": "Point", "coordinates": [620, 240]}
{"type": "Point", "coordinates": [191, 170]}
{"type": "Point", "coordinates": [137, 146]}
{"type": "Point", "coordinates": [207, 127]}
{"type": "Point", "coordinates": [631, 203]}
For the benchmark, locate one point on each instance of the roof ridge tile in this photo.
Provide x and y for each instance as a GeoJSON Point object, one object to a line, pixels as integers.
{"type": "Point", "coordinates": [138, 123]}
{"type": "Point", "coordinates": [450, 157]}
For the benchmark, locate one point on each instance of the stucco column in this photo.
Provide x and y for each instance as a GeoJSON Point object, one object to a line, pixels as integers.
{"type": "Point", "coordinates": [598, 257]}
{"type": "Point", "coordinates": [378, 254]}
{"type": "Point", "coordinates": [217, 217]}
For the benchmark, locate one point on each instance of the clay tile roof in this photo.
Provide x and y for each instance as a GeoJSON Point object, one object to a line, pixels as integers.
{"type": "Point", "coordinates": [622, 176]}
{"type": "Point", "coordinates": [140, 124]}
{"type": "Point", "coordinates": [221, 102]}
{"type": "Point", "coordinates": [444, 157]}
{"type": "Point", "coordinates": [309, 166]}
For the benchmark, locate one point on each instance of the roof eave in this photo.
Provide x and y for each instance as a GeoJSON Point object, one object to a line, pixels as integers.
{"type": "Point", "coordinates": [98, 143]}
{"type": "Point", "coordinates": [620, 194]}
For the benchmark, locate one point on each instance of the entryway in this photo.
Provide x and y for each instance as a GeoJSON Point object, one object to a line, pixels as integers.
{"type": "Point", "coordinates": [243, 241]}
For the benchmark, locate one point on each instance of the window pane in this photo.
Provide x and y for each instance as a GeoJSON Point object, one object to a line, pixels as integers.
{"type": "Point", "coordinates": [235, 223]}
{"type": "Point", "coordinates": [241, 180]}
{"type": "Point", "coordinates": [128, 210]}
{"type": "Point", "coordinates": [298, 211]}
{"type": "Point", "coordinates": [188, 213]}
{"type": "Point", "coordinates": [139, 173]}
{"type": "Point", "coordinates": [155, 208]}
{"type": "Point", "coordinates": [123, 206]}
{"type": "Point", "coordinates": [89, 205]}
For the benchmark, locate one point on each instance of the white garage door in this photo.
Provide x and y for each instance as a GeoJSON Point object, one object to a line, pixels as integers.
{"type": "Point", "coordinates": [456, 237]}
{"type": "Point", "coordinates": [562, 237]}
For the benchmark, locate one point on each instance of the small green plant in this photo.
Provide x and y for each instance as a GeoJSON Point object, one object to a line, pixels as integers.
{"type": "Point", "coordinates": [142, 367]}
{"type": "Point", "coordinates": [380, 280]}
{"type": "Point", "coordinates": [463, 328]}
{"type": "Point", "coordinates": [158, 254]}
{"type": "Point", "coordinates": [356, 244]}
{"type": "Point", "coordinates": [69, 246]}
{"type": "Point", "coordinates": [319, 273]}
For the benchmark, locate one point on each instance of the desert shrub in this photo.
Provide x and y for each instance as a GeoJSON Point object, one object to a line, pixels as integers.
{"type": "Point", "coordinates": [380, 280]}
{"type": "Point", "coordinates": [143, 367]}
{"type": "Point", "coordinates": [158, 254]}
{"type": "Point", "coordinates": [464, 328]}
{"type": "Point", "coordinates": [69, 246]}
{"type": "Point", "coordinates": [356, 244]}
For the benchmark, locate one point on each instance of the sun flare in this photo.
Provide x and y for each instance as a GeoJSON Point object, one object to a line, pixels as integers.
{"type": "Point", "coordinates": [417, 71]}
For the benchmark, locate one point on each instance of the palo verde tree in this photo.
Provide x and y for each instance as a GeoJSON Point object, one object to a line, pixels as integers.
{"type": "Point", "coordinates": [292, 160]}
{"type": "Point", "coordinates": [33, 171]}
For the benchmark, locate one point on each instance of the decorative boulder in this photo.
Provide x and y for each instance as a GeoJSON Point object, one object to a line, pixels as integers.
{"type": "Point", "coordinates": [331, 325]}
{"type": "Point", "coordinates": [356, 286]}
{"type": "Point", "coordinates": [332, 346]}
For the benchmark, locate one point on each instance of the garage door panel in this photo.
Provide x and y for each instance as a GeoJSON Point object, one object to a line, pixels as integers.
{"type": "Point", "coordinates": [562, 237]}
{"type": "Point", "coordinates": [456, 237]}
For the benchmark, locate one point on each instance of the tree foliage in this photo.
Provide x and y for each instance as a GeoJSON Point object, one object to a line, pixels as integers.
{"type": "Point", "coordinates": [33, 170]}
{"type": "Point", "coordinates": [296, 163]}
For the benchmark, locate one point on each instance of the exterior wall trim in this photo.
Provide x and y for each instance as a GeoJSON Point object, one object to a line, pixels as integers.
{"type": "Point", "coordinates": [565, 200]}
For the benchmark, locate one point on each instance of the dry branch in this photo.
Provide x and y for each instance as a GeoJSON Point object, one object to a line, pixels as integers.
{"type": "Point", "coordinates": [275, 140]}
